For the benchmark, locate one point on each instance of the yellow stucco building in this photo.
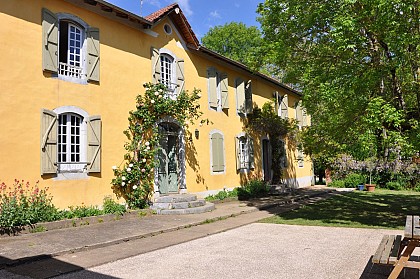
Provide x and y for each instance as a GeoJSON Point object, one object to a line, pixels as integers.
{"type": "Point", "coordinates": [70, 72]}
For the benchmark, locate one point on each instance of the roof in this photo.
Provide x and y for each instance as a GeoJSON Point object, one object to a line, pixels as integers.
{"type": "Point", "coordinates": [153, 17]}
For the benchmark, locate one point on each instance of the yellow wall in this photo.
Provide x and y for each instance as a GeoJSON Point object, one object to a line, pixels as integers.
{"type": "Point", "coordinates": [125, 66]}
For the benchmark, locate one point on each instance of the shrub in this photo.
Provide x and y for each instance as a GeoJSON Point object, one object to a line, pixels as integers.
{"type": "Point", "coordinates": [252, 189]}
{"type": "Point", "coordinates": [112, 207]}
{"type": "Point", "coordinates": [221, 195]}
{"type": "Point", "coordinates": [354, 179]}
{"type": "Point", "coordinates": [81, 211]}
{"type": "Point", "coordinates": [338, 183]}
{"type": "Point", "coordinates": [23, 204]}
{"type": "Point", "coordinates": [395, 185]}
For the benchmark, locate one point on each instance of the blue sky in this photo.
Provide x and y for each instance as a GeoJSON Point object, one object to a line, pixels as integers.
{"type": "Point", "coordinates": [201, 14]}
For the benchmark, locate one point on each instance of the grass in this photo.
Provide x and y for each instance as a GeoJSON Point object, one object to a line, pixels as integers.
{"type": "Point", "coordinates": [380, 209]}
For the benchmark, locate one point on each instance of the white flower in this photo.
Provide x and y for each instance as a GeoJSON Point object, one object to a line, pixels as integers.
{"type": "Point", "coordinates": [130, 165]}
{"type": "Point", "coordinates": [114, 167]}
{"type": "Point", "coordinates": [199, 95]}
{"type": "Point", "coordinates": [128, 169]}
{"type": "Point", "coordinates": [148, 148]}
{"type": "Point", "coordinates": [201, 124]}
{"type": "Point", "coordinates": [187, 122]}
{"type": "Point", "coordinates": [144, 160]}
{"type": "Point", "coordinates": [135, 187]}
{"type": "Point", "coordinates": [152, 101]}
{"type": "Point", "coordinates": [122, 184]}
{"type": "Point", "coordinates": [123, 178]}
{"type": "Point", "coordinates": [147, 143]}
{"type": "Point", "coordinates": [143, 170]}
{"type": "Point", "coordinates": [156, 93]}
{"type": "Point", "coordinates": [160, 90]}
{"type": "Point", "coordinates": [160, 96]}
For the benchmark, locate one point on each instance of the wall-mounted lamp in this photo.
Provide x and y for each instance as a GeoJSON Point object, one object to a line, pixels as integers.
{"type": "Point", "coordinates": [197, 133]}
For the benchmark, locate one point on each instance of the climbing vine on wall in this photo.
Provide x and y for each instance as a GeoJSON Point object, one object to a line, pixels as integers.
{"type": "Point", "coordinates": [134, 178]}
{"type": "Point", "coordinates": [265, 121]}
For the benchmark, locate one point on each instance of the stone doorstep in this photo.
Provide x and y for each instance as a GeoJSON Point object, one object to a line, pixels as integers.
{"type": "Point", "coordinates": [193, 210]}
{"type": "Point", "coordinates": [176, 198]}
{"type": "Point", "coordinates": [178, 205]}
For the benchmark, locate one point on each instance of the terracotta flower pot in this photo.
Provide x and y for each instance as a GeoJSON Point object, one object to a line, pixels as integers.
{"type": "Point", "coordinates": [370, 187]}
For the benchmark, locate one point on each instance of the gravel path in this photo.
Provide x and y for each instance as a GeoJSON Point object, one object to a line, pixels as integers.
{"type": "Point", "coordinates": [258, 251]}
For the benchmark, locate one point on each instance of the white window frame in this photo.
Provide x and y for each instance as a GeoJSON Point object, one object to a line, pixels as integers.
{"type": "Point", "coordinates": [300, 158]}
{"type": "Point", "coordinates": [172, 92]}
{"type": "Point", "coordinates": [67, 71]}
{"type": "Point", "coordinates": [244, 153]}
{"type": "Point", "coordinates": [211, 153]}
{"type": "Point", "coordinates": [80, 167]}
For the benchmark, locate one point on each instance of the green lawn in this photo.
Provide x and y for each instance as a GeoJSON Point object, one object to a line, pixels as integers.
{"type": "Point", "coordinates": [380, 209]}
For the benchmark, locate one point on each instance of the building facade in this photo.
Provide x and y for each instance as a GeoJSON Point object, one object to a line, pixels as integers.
{"type": "Point", "coordinates": [70, 73]}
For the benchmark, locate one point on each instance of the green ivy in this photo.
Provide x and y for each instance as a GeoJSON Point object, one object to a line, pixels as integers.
{"type": "Point", "coordinates": [134, 178]}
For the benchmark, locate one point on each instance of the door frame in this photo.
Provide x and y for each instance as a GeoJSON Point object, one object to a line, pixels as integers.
{"type": "Point", "coordinates": [182, 188]}
{"type": "Point", "coordinates": [269, 159]}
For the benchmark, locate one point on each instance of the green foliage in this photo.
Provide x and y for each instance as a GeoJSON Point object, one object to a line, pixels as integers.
{"type": "Point", "coordinates": [23, 204]}
{"type": "Point", "coordinates": [356, 63]}
{"type": "Point", "coordinates": [354, 179]}
{"type": "Point", "coordinates": [337, 183]}
{"type": "Point", "coordinates": [252, 189]}
{"type": "Point", "coordinates": [112, 207]}
{"type": "Point", "coordinates": [224, 194]}
{"type": "Point", "coordinates": [394, 185]}
{"type": "Point", "coordinates": [134, 178]}
{"type": "Point", "coordinates": [80, 212]}
{"type": "Point", "coordinates": [236, 41]}
{"type": "Point", "coordinates": [266, 121]}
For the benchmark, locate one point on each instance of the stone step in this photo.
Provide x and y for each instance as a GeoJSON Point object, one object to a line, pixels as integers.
{"type": "Point", "coordinates": [178, 205]}
{"type": "Point", "coordinates": [176, 198]}
{"type": "Point", "coordinates": [193, 210]}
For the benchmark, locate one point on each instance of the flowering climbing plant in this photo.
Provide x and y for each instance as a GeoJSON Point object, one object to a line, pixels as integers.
{"type": "Point", "coordinates": [134, 177]}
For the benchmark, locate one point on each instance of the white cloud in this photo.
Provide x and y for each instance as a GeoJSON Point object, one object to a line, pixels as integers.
{"type": "Point", "coordinates": [185, 6]}
{"type": "Point", "coordinates": [154, 2]}
{"type": "Point", "coordinates": [215, 14]}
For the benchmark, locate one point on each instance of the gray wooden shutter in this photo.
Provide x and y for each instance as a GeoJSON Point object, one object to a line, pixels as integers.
{"type": "Point", "coordinates": [94, 143]}
{"type": "Point", "coordinates": [224, 90]}
{"type": "Point", "coordinates": [155, 65]}
{"type": "Point", "coordinates": [304, 117]}
{"type": "Point", "coordinates": [218, 164]}
{"type": "Point", "coordinates": [240, 96]}
{"type": "Point", "coordinates": [284, 107]}
{"type": "Point", "coordinates": [93, 54]}
{"type": "Point", "coordinates": [180, 76]}
{"type": "Point", "coordinates": [48, 142]}
{"type": "Point", "coordinates": [248, 97]}
{"type": "Point", "coordinates": [283, 159]}
{"type": "Point", "coordinates": [299, 115]}
{"type": "Point", "coordinates": [250, 143]}
{"type": "Point", "coordinates": [49, 41]}
{"type": "Point", "coordinates": [238, 153]}
{"type": "Point", "coordinates": [212, 86]}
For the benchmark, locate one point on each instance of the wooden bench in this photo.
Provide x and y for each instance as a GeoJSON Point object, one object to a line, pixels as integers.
{"type": "Point", "coordinates": [388, 250]}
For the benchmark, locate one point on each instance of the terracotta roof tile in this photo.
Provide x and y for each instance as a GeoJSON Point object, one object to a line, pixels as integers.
{"type": "Point", "coordinates": [159, 13]}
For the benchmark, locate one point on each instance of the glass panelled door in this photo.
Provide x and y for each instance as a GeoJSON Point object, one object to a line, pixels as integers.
{"type": "Point", "coordinates": [168, 158]}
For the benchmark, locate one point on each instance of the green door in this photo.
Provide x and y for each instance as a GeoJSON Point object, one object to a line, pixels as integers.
{"type": "Point", "coordinates": [168, 159]}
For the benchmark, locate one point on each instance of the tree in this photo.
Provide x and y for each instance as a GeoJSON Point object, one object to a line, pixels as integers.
{"type": "Point", "coordinates": [236, 41]}
{"type": "Point", "coordinates": [357, 63]}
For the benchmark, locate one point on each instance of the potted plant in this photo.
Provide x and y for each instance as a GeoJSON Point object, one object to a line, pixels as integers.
{"type": "Point", "coordinates": [370, 166]}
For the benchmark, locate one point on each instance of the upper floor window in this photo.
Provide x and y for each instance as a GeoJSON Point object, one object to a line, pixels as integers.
{"type": "Point", "coordinates": [70, 141]}
{"type": "Point", "coordinates": [244, 152]}
{"type": "Point", "coordinates": [282, 104]}
{"type": "Point", "coordinates": [168, 70]}
{"type": "Point", "coordinates": [70, 47]}
{"type": "Point", "coordinates": [217, 89]}
{"type": "Point", "coordinates": [166, 74]}
{"type": "Point", "coordinates": [301, 115]}
{"type": "Point", "coordinates": [243, 97]}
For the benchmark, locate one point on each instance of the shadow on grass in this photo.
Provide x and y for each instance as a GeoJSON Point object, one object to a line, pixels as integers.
{"type": "Point", "coordinates": [382, 209]}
